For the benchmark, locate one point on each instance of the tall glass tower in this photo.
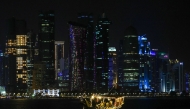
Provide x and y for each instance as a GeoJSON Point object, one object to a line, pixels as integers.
{"type": "Point", "coordinates": [145, 65]}
{"type": "Point", "coordinates": [101, 51]}
{"type": "Point", "coordinates": [16, 56]}
{"type": "Point", "coordinates": [46, 38]}
{"type": "Point", "coordinates": [77, 50]}
{"type": "Point", "coordinates": [87, 20]}
{"type": "Point", "coordinates": [130, 60]}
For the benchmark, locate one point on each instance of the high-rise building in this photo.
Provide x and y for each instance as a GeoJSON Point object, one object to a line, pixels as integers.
{"type": "Point", "coordinates": [176, 80]}
{"type": "Point", "coordinates": [16, 56]}
{"type": "Point", "coordinates": [130, 74]}
{"type": "Point", "coordinates": [145, 66]}
{"type": "Point", "coordinates": [87, 20]}
{"type": "Point", "coordinates": [2, 74]}
{"type": "Point", "coordinates": [59, 56]}
{"type": "Point", "coordinates": [61, 71]}
{"type": "Point", "coordinates": [101, 51]}
{"type": "Point", "coordinates": [77, 50]}
{"type": "Point", "coordinates": [31, 39]}
{"type": "Point", "coordinates": [46, 38]}
{"type": "Point", "coordinates": [163, 63]}
{"type": "Point", "coordinates": [112, 74]}
{"type": "Point", "coordinates": [120, 63]}
{"type": "Point", "coordinates": [38, 73]}
{"type": "Point", "coordinates": [155, 77]}
{"type": "Point", "coordinates": [187, 81]}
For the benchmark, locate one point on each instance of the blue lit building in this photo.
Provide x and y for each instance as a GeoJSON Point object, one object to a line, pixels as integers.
{"type": "Point", "coordinates": [112, 74]}
{"type": "Point", "coordinates": [163, 70]}
{"type": "Point", "coordinates": [154, 61]}
{"type": "Point", "coordinates": [101, 51]}
{"type": "Point", "coordinates": [145, 66]}
{"type": "Point", "coordinates": [176, 79]}
{"type": "Point", "coordinates": [187, 81]}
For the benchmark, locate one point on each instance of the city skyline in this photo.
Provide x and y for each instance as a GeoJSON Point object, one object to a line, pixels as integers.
{"type": "Point", "coordinates": [164, 22]}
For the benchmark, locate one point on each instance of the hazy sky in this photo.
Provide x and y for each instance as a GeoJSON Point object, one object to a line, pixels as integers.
{"type": "Point", "coordinates": [165, 22]}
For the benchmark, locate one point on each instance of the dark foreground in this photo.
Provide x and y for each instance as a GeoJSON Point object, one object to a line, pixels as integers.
{"type": "Point", "coordinates": [130, 103]}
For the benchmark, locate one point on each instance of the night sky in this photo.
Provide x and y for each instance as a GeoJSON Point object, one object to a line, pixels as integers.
{"type": "Point", "coordinates": [166, 23]}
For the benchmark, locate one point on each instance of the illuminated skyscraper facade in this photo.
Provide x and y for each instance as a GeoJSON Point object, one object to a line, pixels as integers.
{"type": "Point", "coordinates": [31, 39]}
{"type": "Point", "coordinates": [112, 74]}
{"type": "Point", "coordinates": [87, 20]}
{"type": "Point", "coordinates": [145, 66]}
{"type": "Point", "coordinates": [16, 56]}
{"type": "Point", "coordinates": [176, 80]}
{"type": "Point", "coordinates": [77, 47]}
{"type": "Point", "coordinates": [46, 38]}
{"type": "Point", "coordinates": [154, 61]}
{"type": "Point", "coordinates": [101, 51]}
{"type": "Point", "coordinates": [163, 70]}
{"type": "Point", "coordinates": [59, 56]}
{"type": "Point", "coordinates": [61, 71]}
{"type": "Point", "coordinates": [130, 80]}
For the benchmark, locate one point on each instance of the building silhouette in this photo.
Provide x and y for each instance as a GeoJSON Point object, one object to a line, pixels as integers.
{"type": "Point", "coordinates": [77, 50]}
{"type": "Point", "coordinates": [16, 56]}
{"type": "Point", "coordinates": [31, 57]}
{"type": "Point", "coordinates": [154, 61]}
{"type": "Point", "coordinates": [130, 73]}
{"type": "Point", "coordinates": [87, 20]}
{"type": "Point", "coordinates": [101, 51]}
{"type": "Point", "coordinates": [112, 74]}
{"type": "Point", "coordinates": [46, 38]}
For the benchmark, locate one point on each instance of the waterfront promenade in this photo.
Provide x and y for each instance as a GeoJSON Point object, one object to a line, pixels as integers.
{"type": "Point", "coordinates": [78, 95]}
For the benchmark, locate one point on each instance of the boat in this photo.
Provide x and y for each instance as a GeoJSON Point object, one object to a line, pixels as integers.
{"type": "Point", "coordinates": [102, 102]}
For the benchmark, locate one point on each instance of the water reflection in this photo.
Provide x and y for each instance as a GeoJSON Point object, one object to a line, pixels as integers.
{"type": "Point", "coordinates": [130, 103]}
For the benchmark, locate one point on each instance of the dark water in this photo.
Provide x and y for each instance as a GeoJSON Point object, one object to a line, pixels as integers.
{"type": "Point", "coordinates": [130, 103]}
{"type": "Point", "coordinates": [157, 103]}
{"type": "Point", "coordinates": [41, 104]}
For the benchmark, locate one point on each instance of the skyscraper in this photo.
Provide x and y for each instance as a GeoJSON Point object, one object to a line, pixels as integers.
{"type": "Point", "coordinates": [145, 66]}
{"type": "Point", "coordinates": [130, 80]}
{"type": "Point", "coordinates": [154, 61]}
{"type": "Point", "coordinates": [101, 51]}
{"type": "Point", "coordinates": [31, 39]}
{"type": "Point", "coordinates": [176, 80]}
{"type": "Point", "coordinates": [59, 54]}
{"type": "Point", "coordinates": [113, 74]}
{"type": "Point", "coordinates": [163, 71]}
{"type": "Point", "coordinates": [16, 56]}
{"type": "Point", "coordinates": [87, 20]}
{"type": "Point", "coordinates": [46, 38]}
{"type": "Point", "coordinates": [120, 63]}
{"type": "Point", "coordinates": [60, 74]}
{"type": "Point", "coordinates": [77, 50]}
{"type": "Point", "coordinates": [2, 74]}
